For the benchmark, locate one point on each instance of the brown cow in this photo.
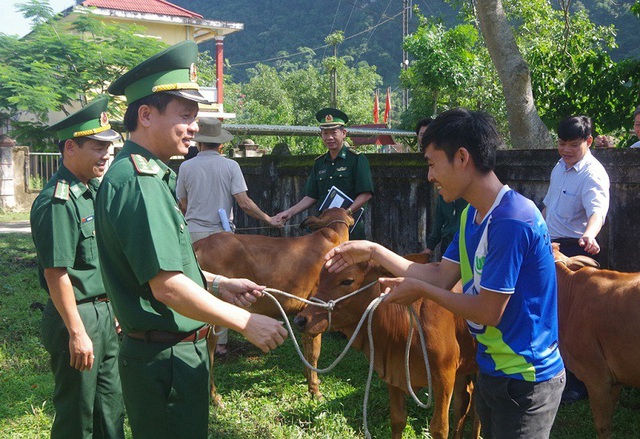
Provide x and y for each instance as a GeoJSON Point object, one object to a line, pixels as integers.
{"type": "Point", "coordinates": [288, 264]}
{"type": "Point", "coordinates": [599, 323]}
{"type": "Point", "coordinates": [450, 347]}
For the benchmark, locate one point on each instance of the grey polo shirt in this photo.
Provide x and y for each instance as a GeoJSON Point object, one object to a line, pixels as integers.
{"type": "Point", "coordinates": [208, 182]}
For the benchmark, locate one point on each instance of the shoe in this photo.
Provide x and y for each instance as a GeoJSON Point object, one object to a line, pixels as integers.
{"type": "Point", "coordinates": [571, 396]}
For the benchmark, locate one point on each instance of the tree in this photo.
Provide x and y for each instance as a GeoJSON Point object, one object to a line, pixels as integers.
{"type": "Point", "coordinates": [525, 126]}
{"type": "Point", "coordinates": [292, 94]}
{"type": "Point", "coordinates": [59, 63]}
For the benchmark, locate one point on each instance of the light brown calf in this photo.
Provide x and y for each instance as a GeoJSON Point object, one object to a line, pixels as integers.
{"type": "Point", "coordinates": [288, 264]}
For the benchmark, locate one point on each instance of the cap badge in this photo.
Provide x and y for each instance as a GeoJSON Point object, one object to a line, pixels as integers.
{"type": "Point", "coordinates": [193, 73]}
{"type": "Point", "coordinates": [328, 118]}
{"type": "Point", "coordinates": [104, 119]}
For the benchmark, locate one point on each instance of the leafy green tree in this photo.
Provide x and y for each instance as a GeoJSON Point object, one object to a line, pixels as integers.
{"type": "Point", "coordinates": [60, 63]}
{"type": "Point", "coordinates": [292, 93]}
{"type": "Point", "coordinates": [566, 53]}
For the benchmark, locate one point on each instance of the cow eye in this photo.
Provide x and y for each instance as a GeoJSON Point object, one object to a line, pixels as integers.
{"type": "Point", "coordinates": [347, 282]}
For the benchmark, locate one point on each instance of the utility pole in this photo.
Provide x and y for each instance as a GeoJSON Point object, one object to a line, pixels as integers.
{"type": "Point", "coordinates": [334, 39]}
{"type": "Point", "coordinates": [405, 56]}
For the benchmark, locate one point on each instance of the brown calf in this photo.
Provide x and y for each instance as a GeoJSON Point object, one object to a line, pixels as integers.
{"type": "Point", "coordinates": [288, 264]}
{"type": "Point", "coordinates": [450, 346]}
{"type": "Point", "coordinates": [599, 323]}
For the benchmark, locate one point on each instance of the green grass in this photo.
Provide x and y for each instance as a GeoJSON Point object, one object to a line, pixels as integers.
{"type": "Point", "coordinates": [265, 396]}
{"type": "Point", "coordinates": [13, 216]}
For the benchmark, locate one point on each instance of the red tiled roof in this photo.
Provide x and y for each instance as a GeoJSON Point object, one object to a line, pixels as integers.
{"type": "Point", "coordinates": [160, 7]}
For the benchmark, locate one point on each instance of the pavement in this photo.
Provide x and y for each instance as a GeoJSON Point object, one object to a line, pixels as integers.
{"type": "Point", "coordinates": [15, 227]}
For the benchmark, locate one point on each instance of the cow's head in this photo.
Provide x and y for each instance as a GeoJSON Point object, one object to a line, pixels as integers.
{"type": "Point", "coordinates": [334, 215]}
{"type": "Point", "coordinates": [314, 320]}
{"type": "Point", "coordinates": [572, 263]}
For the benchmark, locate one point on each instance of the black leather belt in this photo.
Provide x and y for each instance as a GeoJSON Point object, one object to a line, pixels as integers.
{"type": "Point", "coordinates": [171, 337]}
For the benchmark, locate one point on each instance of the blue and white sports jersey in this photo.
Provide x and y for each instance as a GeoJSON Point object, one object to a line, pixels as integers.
{"type": "Point", "coordinates": [510, 253]}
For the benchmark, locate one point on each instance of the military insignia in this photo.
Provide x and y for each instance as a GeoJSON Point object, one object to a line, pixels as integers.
{"type": "Point", "coordinates": [193, 73]}
{"type": "Point", "coordinates": [87, 219]}
{"type": "Point", "coordinates": [143, 166]}
{"type": "Point", "coordinates": [328, 118]}
{"type": "Point", "coordinates": [104, 119]}
{"type": "Point", "coordinates": [62, 190]}
{"type": "Point", "coordinates": [344, 168]}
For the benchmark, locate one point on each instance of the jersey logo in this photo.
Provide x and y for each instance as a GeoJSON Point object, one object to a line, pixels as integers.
{"type": "Point", "coordinates": [479, 264]}
{"type": "Point", "coordinates": [143, 166]}
{"type": "Point", "coordinates": [62, 190]}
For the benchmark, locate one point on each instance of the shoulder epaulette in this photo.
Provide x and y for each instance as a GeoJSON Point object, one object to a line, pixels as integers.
{"type": "Point", "coordinates": [62, 190]}
{"type": "Point", "coordinates": [320, 156]}
{"type": "Point", "coordinates": [353, 151]}
{"type": "Point", "coordinates": [143, 166]}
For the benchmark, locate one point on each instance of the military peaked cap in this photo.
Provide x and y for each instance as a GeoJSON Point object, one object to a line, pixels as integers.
{"type": "Point", "coordinates": [171, 71]}
{"type": "Point", "coordinates": [90, 121]}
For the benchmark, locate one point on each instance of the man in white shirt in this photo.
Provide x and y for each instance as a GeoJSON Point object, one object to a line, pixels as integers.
{"type": "Point", "coordinates": [576, 206]}
{"type": "Point", "coordinates": [577, 201]}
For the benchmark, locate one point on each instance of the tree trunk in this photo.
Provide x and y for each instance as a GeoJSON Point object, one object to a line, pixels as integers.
{"type": "Point", "coordinates": [525, 126]}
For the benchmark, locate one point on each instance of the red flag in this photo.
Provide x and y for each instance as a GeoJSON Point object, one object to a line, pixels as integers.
{"type": "Point", "coordinates": [387, 105]}
{"type": "Point", "coordinates": [375, 107]}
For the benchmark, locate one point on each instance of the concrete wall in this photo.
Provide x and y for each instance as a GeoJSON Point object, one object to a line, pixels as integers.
{"type": "Point", "coordinates": [400, 211]}
{"type": "Point", "coordinates": [21, 199]}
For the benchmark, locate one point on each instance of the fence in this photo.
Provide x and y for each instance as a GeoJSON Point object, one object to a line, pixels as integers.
{"type": "Point", "coordinates": [39, 167]}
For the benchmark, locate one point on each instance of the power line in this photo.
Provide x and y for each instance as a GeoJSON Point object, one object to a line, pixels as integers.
{"type": "Point", "coordinates": [317, 48]}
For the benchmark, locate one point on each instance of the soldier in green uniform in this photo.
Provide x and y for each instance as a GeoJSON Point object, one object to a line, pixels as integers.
{"type": "Point", "coordinates": [150, 270]}
{"type": "Point", "coordinates": [78, 325]}
{"type": "Point", "coordinates": [340, 166]}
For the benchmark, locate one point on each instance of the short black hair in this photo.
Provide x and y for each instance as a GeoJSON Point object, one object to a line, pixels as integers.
{"type": "Point", "coordinates": [79, 140]}
{"type": "Point", "coordinates": [575, 127]}
{"type": "Point", "coordinates": [475, 131]}
{"type": "Point", "coordinates": [156, 100]}
{"type": "Point", "coordinates": [210, 144]}
{"type": "Point", "coordinates": [423, 123]}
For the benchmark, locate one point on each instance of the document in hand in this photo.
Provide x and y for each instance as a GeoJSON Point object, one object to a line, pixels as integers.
{"type": "Point", "coordinates": [337, 198]}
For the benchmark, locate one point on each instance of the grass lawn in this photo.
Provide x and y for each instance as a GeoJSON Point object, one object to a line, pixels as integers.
{"type": "Point", "coordinates": [265, 396]}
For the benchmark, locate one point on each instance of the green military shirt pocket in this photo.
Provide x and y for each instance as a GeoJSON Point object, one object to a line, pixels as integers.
{"type": "Point", "coordinates": [87, 246]}
{"type": "Point", "coordinates": [342, 173]}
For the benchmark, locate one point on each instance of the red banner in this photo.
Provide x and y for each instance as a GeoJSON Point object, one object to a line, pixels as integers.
{"type": "Point", "coordinates": [387, 105]}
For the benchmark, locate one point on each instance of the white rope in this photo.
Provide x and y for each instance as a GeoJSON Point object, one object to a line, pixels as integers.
{"type": "Point", "coordinates": [368, 314]}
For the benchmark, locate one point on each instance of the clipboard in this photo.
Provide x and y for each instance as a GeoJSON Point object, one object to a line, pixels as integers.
{"type": "Point", "coordinates": [336, 198]}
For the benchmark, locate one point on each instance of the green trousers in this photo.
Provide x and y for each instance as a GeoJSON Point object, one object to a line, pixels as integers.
{"type": "Point", "coordinates": [166, 388]}
{"type": "Point", "coordinates": [88, 404]}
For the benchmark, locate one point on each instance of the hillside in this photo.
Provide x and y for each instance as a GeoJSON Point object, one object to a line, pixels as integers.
{"type": "Point", "coordinates": [372, 28]}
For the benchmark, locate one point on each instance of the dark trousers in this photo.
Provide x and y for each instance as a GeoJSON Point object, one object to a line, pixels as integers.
{"type": "Point", "coordinates": [570, 247]}
{"type": "Point", "coordinates": [166, 388]}
{"type": "Point", "coordinates": [88, 404]}
{"type": "Point", "coordinates": [510, 408]}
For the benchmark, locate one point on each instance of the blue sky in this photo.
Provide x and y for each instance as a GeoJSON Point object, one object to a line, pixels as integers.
{"type": "Point", "coordinates": [13, 23]}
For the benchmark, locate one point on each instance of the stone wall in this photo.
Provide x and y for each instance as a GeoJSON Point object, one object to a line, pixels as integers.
{"type": "Point", "coordinates": [400, 211]}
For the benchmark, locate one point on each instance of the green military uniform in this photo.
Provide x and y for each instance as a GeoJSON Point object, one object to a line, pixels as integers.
{"type": "Point", "coordinates": [141, 231]}
{"type": "Point", "coordinates": [88, 403]}
{"type": "Point", "coordinates": [349, 172]}
{"type": "Point", "coordinates": [446, 223]}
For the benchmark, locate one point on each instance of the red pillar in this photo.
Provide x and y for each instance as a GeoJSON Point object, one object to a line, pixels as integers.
{"type": "Point", "coordinates": [219, 68]}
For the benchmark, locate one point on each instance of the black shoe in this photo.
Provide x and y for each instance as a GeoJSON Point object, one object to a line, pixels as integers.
{"type": "Point", "coordinates": [571, 396]}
